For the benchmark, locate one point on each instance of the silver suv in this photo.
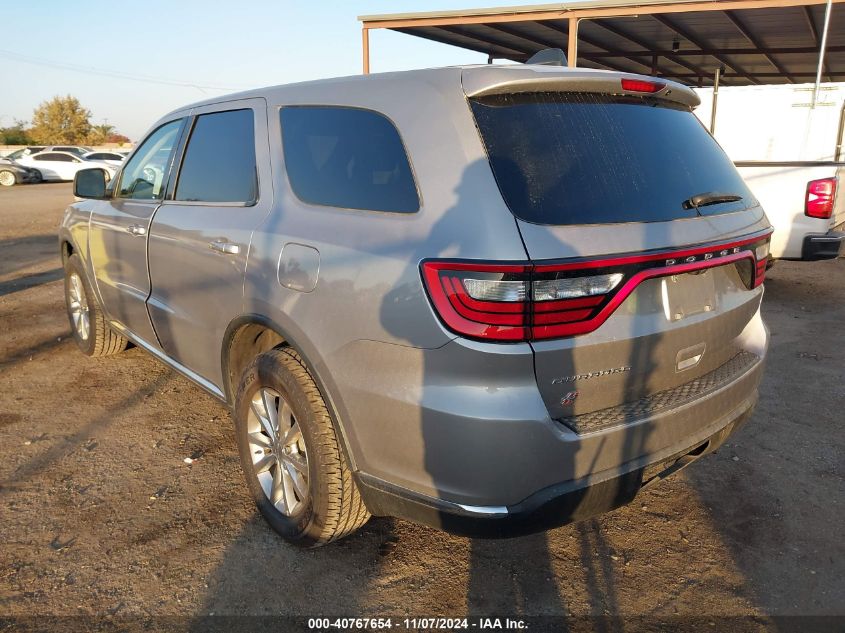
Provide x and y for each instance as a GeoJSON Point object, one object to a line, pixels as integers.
{"type": "Point", "coordinates": [488, 299]}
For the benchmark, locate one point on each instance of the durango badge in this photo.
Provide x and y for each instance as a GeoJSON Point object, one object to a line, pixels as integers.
{"type": "Point", "coordinates": [592, 374]}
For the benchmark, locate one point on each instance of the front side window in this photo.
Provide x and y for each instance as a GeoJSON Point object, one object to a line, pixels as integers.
{"type": "Point", "coordinates": [144, 176]}
{"type": "Point", "coordinates": [219, 163]}
{"type": "Point", "coordinates": [347, 157]}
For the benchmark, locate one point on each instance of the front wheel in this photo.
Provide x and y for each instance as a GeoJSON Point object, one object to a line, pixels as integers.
{"type": "Point", "coordinates": [292, 458]}
{"type": "Point", "coordinates": [90, 330]}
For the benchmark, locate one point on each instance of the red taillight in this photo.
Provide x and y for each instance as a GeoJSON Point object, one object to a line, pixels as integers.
{"type": "Point", "coordinates": [820, 196]}
{"type": "Point", "coordinates": [504, 318]}
{"type": "Point", "coordinates": [640, 85]}
{"type": "Point", "coordinates": [528, 302]}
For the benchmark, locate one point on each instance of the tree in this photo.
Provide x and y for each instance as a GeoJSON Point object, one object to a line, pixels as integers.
{"type": "Point", "coordinates": [120, 139]}
{"type": "Point", "coordinates": [16, 134]}
{"type": "Point", "coordinates": [100, 134]}
{"type": "Point", "coordinates": [61, 120]}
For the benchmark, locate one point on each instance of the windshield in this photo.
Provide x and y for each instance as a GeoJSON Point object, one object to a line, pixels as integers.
{"type": "Point", "coordinates": [583, 158]}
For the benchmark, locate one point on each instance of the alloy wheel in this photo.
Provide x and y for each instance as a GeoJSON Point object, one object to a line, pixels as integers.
{"type": "Point", "coordinates": [277, 448]}
{"type": "Point", "coordinates": [78, 306]}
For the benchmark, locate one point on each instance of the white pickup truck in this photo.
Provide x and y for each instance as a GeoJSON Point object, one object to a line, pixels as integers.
{"type": "Point", "coordinates": [805, 202]}
{"type": "Point", "coordinates": [790, 155]}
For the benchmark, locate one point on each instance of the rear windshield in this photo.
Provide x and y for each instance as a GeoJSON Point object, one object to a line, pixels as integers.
{"type": "Point", "coordinates": [583, 158]}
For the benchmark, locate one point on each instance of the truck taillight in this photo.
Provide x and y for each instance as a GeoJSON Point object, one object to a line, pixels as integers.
{"type": "Point", "coordinates": [528, 302]}
{"type": "Point", "coordinates": [820, 197]}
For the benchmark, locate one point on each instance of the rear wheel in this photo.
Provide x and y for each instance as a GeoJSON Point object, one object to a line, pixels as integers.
{"type": "Point", "coordinates": [90, 330]}
{"type": "Point", "coordinates": [292, 458]}
{"type": "Point", "coordinates": [7, 178]}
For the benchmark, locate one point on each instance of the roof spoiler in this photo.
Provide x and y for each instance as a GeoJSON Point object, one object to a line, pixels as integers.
{"type": "Point", "coordinates": [481, 81]}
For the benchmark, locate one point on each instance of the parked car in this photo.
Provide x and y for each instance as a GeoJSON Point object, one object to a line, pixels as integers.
{"type": "Point", "coordinates": [13, 174]}
{"type": "Point", "coordinates": [804, 205]}
{"type": "Point", "coordinates": [55, 165]}
{"type": "Point", "coordinates": [490, 299]}
{"type": "Point", "coordinates": [111, 158]}
{"type": "Point", "coordinates": [35, 149]}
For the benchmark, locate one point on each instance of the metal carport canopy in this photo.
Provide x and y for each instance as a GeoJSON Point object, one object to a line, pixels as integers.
{"type": "Point", "coordinates": [750, 41]}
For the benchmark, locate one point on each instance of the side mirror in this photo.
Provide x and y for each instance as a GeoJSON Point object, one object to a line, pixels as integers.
{"type": "Point", "coordinates": [90, 183]}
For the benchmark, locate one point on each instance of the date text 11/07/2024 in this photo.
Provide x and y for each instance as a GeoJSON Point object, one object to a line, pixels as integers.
{"type": "Point", "coordinates": [415, 624]}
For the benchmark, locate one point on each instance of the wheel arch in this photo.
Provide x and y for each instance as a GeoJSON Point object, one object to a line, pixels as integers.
{"type": "Point", "coordinates": [253, 334]}
{"type": "Point", "coordinates": [67, 248]}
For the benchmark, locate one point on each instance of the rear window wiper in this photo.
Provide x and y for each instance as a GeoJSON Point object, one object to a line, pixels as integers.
{"type": "Point", "coordinates": [709, 197]}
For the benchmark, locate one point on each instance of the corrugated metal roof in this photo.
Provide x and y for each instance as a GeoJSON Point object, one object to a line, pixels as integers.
{"type": "Point", "coordinates": [528, 8]}
{"type": "Point", "coordinates": [762, 45]}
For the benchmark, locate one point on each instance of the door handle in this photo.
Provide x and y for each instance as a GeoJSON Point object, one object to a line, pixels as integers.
{"type": "Point", "coordinates": [136, 229]}
{"type": "Point", "coordinates": [223, 246]}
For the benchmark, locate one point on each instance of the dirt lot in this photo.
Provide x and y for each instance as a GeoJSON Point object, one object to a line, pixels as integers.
{"type": "Point", "coordinates": [101, 515]}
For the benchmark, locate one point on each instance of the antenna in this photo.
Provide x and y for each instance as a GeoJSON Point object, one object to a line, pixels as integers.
{"type": "Point", "coordinates": [548, 57]}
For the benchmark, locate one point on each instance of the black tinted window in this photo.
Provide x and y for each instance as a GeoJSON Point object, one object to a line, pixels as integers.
{"type": "Point", "coordinates": [219, 164]}
{"type": "Point", "coordinates": [62, 158]}
{"type": "Point", "coordinates": [346, 157]}
{"type": "Point", "coordinates": [592, 159]}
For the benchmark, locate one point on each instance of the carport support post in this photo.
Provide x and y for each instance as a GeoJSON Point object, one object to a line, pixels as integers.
{"type": "Point", "coordinates": [572, 47]}
{"type": "Point", "coordinates": [716, 76]}
{"type": "Point", "coordinates": [821, 52]}
{"type": "Point", "coordinates": [365, 42]}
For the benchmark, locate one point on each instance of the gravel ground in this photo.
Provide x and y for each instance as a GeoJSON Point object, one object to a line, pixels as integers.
{"type": "Point", "coordinates": [101, 516]}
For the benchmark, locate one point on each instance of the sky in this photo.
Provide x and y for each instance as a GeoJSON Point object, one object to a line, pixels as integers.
{"type": "Point", "coordinates": [198, 49]}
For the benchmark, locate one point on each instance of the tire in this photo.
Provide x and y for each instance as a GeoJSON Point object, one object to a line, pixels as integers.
{"type": "Point", "coordinates": [39, 177]}
{"type": "Point", "coordinates": [332, 506]}
{"type": "Point", "coordinates": [90, 330]}
{"type": "Point", "coordinates": [7, 178]}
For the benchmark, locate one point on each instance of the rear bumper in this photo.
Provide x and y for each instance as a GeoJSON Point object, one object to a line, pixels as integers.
{"type": "Point", "coordinates": [585, 475]}
{"type": "Point", "coordinates": [826, 246]}
{"type": "Point", "coordinates": [460, 438]}
{"type": "Point", "coordinates": [551, 507]}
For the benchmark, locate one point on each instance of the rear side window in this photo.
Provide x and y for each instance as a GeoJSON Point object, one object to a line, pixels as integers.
{"type": "Point", "coordinates": [61, 158]}
{"type": "Point", "coordinates": [219, 163]}
{"type": "Point", "coordinates": [347, 157]}
{"type": "Point", "coordinates": [581, 158]}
